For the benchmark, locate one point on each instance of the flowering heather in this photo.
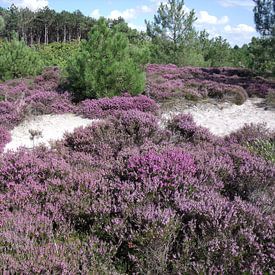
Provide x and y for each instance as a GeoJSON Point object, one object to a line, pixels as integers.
{"type": "Point", "coordinates": [10, 114]}
{"type": "Point", "coordinates": [108, 106]}
{"type": "Point", "coordinates": [123, 196]}
{"type": "Point", "coordinates": [44, 102]}
{"type": "Point", "coordinates": [49, 80]}
{"type": "Point", "coordinates": [21, 98]}
{"type": "Point", "coordinates": [166, 81]}
{"type": "Point", "coordinates": [5, 137]}
{"type": "Point", "coordinates": [188, 130]}
{"type": "Point", "coordinates": [249, 134]}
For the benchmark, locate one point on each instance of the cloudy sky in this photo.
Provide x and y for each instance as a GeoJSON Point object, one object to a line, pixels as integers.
{"type": "Point", "coordinates": [232, 19]}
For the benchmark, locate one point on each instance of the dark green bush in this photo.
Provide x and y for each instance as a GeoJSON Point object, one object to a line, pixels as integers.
{"type": "Point", "coordinates": [18, 60]}
{"type": "Point", "coordinates": [103, 65]}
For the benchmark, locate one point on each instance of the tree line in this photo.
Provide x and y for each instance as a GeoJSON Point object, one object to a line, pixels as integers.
{"type": "Point", "coordinates": [45, 25]}
{"type": "Point", "coordinates": [170, 38]}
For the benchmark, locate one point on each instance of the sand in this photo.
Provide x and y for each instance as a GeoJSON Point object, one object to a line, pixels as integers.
{"type": "Point", "coordinates": [220, 118]}
{"type": "Point", "coordinates": [52, 128]}
{"type": "Point", "coordinates": [224, 118]}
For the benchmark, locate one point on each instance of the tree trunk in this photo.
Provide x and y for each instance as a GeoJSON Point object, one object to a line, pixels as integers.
{"type": "Point", "coordinates": [46, 35]}
{"type": "Point", "coordinates": [23, 34]}
{"type": "Point", "coordinates": [57, 36]}
{"type": "Point", "coordinates": [64, 34]}
{"type": "Point", "coordinates": [78, 34]}
{"type": "Point", "coordinates": [31, 36]}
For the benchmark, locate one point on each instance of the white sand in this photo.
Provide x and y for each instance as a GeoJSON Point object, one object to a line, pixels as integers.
{"type": "Point", "coordinates": [225, 118]}
{"type": "Point", "coordinates": [52, 127]}
{"type": "Point", "coordinates": [221, 119]}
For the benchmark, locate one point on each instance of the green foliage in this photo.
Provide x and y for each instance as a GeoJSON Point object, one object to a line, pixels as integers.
{"type": "Point", "coordinates": [2, 23]}
{"type": "Point", "coordinates": [171, 29]}
{"type": "Point", "coordinates": [218, 52]}
{"type": "Point", "coordinates": [240, 56]}
{"type": "Point", "coordinates": [18, 60]}
{"type": "Point", "coordinates": [262, 55]}
{"type": "Point", "coordinates": [103, 65]}
{"type": "Point", "coordinates": [139, 46]}
{"type": "Point", "coordinates": [57, 53]}
{"type": "Point", "coordinates": [140, 53]}
{"type": "Point", "coordinates": [264, 15]}
{"type": "Point", "coordinates": [263, 148]}
{"type": "Point", "coordinates": [190, 56]}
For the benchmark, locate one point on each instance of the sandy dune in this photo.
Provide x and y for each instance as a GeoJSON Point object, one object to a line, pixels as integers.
{"type": "Point", "coordinates": [224, 118]}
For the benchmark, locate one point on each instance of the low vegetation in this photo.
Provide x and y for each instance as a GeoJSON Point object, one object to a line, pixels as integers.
{"type": "Point", "coordinates": [126, 196]}
{"type": "Point", "coordinates": [129, 194]}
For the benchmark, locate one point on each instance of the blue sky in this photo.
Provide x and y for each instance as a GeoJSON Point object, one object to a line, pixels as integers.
{"type": "Point", "coordinates": [232, 19]}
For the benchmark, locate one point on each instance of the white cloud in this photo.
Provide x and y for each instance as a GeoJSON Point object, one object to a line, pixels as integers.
{"type": "Point", "coordinates": [146, 9]}
{"type": "Point", "coordinates": [158, 2]}
{"type": "Point", "coordinates": [130, 13]}
{"type": "Point", "coordinates": [239, 29]}
{"type": "Point", "coordinates": [126, 14]}
{"type": "Point", "coordinates": [205, 18]}
{"type": "Point", "coordinates": [95, 14]}
{"type": "Point", "coordinates": [237, 3]}
{"type": "Point", "coordinates": [137, 27]}
{"type": "Point", "coordinates": [31, 4]}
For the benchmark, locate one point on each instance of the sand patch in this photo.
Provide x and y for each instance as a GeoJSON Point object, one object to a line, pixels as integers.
{"type": "Point", "coordinates": [224, 118]}
{"type": "Point", "coordinates": [51, 127]}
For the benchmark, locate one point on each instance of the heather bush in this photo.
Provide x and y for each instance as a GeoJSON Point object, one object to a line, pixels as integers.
{"type": "Point", "coordinates": [150, 216]}
{"type": "Point", "coordinates": [44, 102]}
{"type": "Point", "coordinates": [105, 139]}
{"type": "Point", "coordinates": [188, 130]}
{"type": "Point", "coordinates": [229, 92]}
{"type": "Point", "coordinates": [104, 107]}
{"type": "Point", "coordinates": [49, 79]}
{"type": "Point", "coordinates": [103, 66]}
{"type": "Point", "coordinates": [257, 138]}
{"type": "Point", "coordinates": [249, 133]}
{"type": "Point", "coordinates": [5, 137]}
{"type": "Point", "coordinates": [222, 236]}
{"type": "Point", "coordinates": [233, 84]}
{"type": "Point", "coordinates": [38, 96]}
{"type": "Point", "coordinates": [10, 114]}
{"type": "Point", "coordinates": [251, 173]}
{"type": "Point", "coordinates": [155, 170]}
{"type": "Point", "coordinates": [123, 196]}
{"type": "Point", "coordinates": [233, 170]}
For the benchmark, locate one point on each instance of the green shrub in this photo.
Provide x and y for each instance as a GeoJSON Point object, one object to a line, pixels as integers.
{"type": "Point", "coordinates": [103, 65]}
{"type": "Point", "coordinates": [57, 53]}
{"type": "Point", "coordinates": [263, 148]}
{"type": "Point", "coordinates": [18, 60]}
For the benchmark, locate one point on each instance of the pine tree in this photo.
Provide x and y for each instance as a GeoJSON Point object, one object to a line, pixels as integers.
{"type": "Point", "coordinates": [264, 15]}
{"type": "Point", "coordinates": [103, 66]}
{"type": "Point", "coordinates": [18, 60]}
{"type": "Point", "coordinates": [172, 28]}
